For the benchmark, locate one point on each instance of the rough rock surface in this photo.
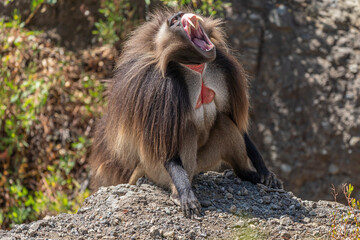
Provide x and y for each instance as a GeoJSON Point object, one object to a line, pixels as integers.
{"type": "Point", "coordinates": [232, 210]}
{"type": "Point", "coordinates": [304, 60]}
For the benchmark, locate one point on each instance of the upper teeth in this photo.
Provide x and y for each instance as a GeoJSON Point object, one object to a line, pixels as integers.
{"type": "Point", "coordinates": [200, 18]}
{"type": "Point", "coordinates": [192, 24]}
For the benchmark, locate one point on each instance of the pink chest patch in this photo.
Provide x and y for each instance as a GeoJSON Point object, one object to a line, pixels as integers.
{"type": "Point", "coordinates": [206, 94]}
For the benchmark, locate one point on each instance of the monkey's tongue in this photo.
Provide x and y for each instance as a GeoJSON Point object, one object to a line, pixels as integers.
{"type": "Point", "coordinates": [201, 43]}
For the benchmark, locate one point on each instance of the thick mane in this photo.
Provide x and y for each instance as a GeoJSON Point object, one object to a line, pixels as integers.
{"type": "Point", "coordinates": [140, 46]}
{"type": "Point", "coordinates": [144, 105]}
{"type": "Point", "coordinates": [150, 108]}
{"type": "Point", "coordinates": [238, 88]}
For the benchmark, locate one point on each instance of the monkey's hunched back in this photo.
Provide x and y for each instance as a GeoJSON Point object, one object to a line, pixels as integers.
{"type": "Point", "coordinates": [177, 105]}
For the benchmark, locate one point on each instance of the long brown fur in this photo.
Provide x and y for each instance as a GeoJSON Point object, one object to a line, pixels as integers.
{"type": "Point", "coordinates": [147, 112]}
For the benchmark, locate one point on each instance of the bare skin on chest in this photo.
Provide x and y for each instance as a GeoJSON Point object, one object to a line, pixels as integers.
{"type": "Point", "coordinates": [207, 95]}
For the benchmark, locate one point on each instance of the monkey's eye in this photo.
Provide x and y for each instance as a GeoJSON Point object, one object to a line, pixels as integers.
{"type": "Point", "coordinates": [174, 19]}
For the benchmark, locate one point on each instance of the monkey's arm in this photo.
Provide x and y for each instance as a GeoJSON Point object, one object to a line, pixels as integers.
{"type": "Point", "coordinates": [267, 177]}
{"type": "Point", "coordinates": [188, 201]}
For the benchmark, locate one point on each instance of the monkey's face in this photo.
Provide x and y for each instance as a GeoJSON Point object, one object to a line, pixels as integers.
{"type": "Point", "coordinates": [184, 38]}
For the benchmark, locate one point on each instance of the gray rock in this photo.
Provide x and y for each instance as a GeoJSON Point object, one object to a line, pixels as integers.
{"type": "Point", "coordinates": [285, 235]}
{"type": "Point", "coordinates": [154, 232]}
{"type": "Point", "coordinates": [228, 195]}
{"type": "Point", "coordinates": [280, 17]}
{"type": "Point", "coordinates": [205, 203]}
{"type": "Point", "coordinates": [333, 169]}
{"type": "Point", "coordinates": [266, 199]}
{"type": "Point", "coordinates": [244, 192]}
{"type": "Point", "coordinates": [232, 208]}
{"type": "Point", "coordinates": [285, 220]}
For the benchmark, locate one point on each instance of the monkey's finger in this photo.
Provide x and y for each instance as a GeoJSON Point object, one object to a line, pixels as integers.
{"type": "Point", "coordinates": [273, 180]}
{"type": "Point", "coordinates": [262, 178]}
{"type": "Point", "coordinates": [278, 184]}
{"type": "Point", "coordinates": [270, 181]}
{"type": "Point", "coordinates": [267, 181]}
{"type": "Point", "coordinates": [196, 212]}
{"type": "Point", "coordinates": [275, 184]}
{"type": "Point", "coordinates": [196, 208]}
{"type": "Point", "coordinates": [183, 209]}
{"type": "Point", "coordinates": [175, 199]}
{"type": "Point", "coordinates": [200, 210]}
{"type": "Point", "coordinates": [198, 205]}
{"type": "Point", "coordinates": [281, 184]}
{"type": "Point", "coordinates": [192, 210]}
{"type": "Point", "coordinates": [186, 210]}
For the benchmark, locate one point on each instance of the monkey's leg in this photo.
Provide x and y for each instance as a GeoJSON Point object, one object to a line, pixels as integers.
{"type": "Point", "coordinates": [227, 143]}
{"type": "Point", "coordinates": [238, 160]}
{"type": "Point", "coordinates": [138, 173]}
{"type": "Point", "coordinates": [189, 204]}
{"type": "Point", "coordinates": [267, 177]}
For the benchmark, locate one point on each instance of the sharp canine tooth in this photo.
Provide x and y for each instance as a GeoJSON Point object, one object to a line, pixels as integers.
{"type": "Point", "coordinates": [191, 23]}
{"type": "Point", "coordinates": [200, 18]}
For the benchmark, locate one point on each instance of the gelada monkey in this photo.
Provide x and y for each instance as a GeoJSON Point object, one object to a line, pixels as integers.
{"type": "Point", "coordinates": [177, 106]}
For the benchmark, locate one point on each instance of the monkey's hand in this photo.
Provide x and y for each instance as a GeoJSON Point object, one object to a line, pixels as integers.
{"type": "Point", "coordinates": [189, 204]}
{"type": "Point", "coordinates": [269, 179]}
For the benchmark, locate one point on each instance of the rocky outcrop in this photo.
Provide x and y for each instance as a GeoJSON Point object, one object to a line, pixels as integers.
{"type": "Point", "coordinates": [303, 59]}
{"type": "Point", "coordinates": [232, 210]}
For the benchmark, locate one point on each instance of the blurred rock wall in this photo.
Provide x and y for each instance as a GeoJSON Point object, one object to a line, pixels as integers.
{"type": "Point", "coordinates": [304, 61]}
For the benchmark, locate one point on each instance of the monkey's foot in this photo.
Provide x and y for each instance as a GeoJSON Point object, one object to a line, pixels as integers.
{"type": "Point", "coordinates": [269, 179]}
{"type": "Point", "coordinates": [175, 198]}
{"type": "Point", "coordinates": [190, 205]}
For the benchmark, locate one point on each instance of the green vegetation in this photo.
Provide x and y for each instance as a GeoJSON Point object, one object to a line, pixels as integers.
{"type": "Point", "coordinates": [341, 224]}
{"type": "Point", "coordinates": [250, 232]}
{"type": "Point", "coordinates": [117, 19]}
{"type": "Point", "coordinates": [206, 8]}
{"type": "Point", "coordinates": [246, 228]}
{"type": "Point", "coordinates": [40, 170]}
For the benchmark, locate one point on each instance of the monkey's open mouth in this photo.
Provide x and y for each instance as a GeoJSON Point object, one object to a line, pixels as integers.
{"type": "Point", "coordinates": [196, 34]}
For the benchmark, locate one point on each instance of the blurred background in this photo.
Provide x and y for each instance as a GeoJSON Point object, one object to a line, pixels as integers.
{"type": "Point", "coordinates": [302, 58]}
